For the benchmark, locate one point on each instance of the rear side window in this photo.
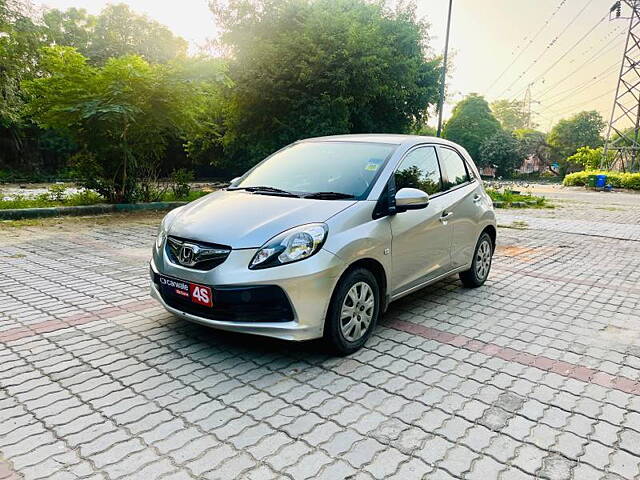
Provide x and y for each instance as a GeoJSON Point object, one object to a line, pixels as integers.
{"type": "Point", "coordinates": [455, 170]}
{"type": "Point", "coordinates": [420, 169]}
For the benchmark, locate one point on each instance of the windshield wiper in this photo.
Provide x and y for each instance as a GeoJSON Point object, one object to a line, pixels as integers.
{"type": "Point", "coordinates": [264, 189]}
{"type": "Point", "coordinates": [329, 195]}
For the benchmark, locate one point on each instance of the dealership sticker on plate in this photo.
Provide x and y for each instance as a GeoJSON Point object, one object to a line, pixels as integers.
{"type": "Point", "coordinates": [201, 294]}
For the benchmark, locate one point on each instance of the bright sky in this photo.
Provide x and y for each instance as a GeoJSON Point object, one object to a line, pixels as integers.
{"type": "Point", "coordinates": [565, 49]}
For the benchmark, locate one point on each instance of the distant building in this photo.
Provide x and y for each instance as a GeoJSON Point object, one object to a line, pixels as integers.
{"type": "Point", "coordinates": [532, 164]}
{"type": "Point", "coordinates": [488, 172]}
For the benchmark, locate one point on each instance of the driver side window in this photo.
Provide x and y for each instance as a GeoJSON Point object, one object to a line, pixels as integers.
{"type": "Point", "coordinates": [420, 169]}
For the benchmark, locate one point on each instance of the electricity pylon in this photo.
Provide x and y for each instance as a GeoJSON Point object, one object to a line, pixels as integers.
{"type": "Point", "coordinates": [526, 107]}
{"type": "Point", "coordinates": [623, 142]}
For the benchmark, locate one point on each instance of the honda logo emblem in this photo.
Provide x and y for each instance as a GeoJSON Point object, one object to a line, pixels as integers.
{"type": "Point", "coordinates": [188, 255]}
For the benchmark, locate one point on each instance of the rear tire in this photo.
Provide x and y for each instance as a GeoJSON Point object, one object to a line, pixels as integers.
{"type": "Point", "coordinates": [353, 312]}
{"type": "Point", "coordinates": [481, 265]}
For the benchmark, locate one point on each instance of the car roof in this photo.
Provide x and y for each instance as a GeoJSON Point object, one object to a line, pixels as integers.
{"type": "Point", "coordinates": [391, 138]}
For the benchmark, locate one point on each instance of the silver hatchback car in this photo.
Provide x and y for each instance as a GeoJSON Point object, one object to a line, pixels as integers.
{"type": "Point", "coordinates": [317, 239]}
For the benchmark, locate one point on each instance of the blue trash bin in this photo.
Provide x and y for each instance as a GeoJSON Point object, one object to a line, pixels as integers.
{"type": "Point", "coordinates": [601, 181]}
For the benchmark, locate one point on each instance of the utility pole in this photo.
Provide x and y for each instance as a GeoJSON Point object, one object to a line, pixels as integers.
{"type": "Point", "coordinates": [623, 143]}
{"type": "Point", "coordinates": [526, 105]}
{"type": "Point", "coordinates": [443, 79]}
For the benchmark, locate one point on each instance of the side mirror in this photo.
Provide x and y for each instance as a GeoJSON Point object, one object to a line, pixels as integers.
{"type": "Point", "coordinates": [411, 199]}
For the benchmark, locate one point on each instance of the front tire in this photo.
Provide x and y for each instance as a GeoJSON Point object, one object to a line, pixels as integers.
{"type": "Point", "coordinates": [481, 265]}
{"type": "Point", "coordinates": [353, 312]}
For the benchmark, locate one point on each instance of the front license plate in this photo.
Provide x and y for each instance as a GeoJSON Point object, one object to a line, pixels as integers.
{"type": "Point", "coordinates": [200, 294]}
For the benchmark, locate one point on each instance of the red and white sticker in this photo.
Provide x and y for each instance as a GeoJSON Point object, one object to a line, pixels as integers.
{"type": "Point", "coordinates": [201, 295]}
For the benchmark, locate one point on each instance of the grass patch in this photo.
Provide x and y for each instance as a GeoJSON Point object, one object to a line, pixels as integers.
{"type": "Point", "coordinates": [144, 217]}
{"type": "Point", "coordinates": [510, 199]}
{"type": "Point", "coordinates": [57, 196]}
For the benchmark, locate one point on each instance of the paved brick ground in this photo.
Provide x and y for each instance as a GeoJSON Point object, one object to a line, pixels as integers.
{"type": "Point", "coordinates": [535, 375]}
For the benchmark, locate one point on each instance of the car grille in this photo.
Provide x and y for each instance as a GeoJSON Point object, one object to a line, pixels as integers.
{"type": "Point", "coordinates": [195, 254]}
{"type": "Point", "coordinates": [251, 303]}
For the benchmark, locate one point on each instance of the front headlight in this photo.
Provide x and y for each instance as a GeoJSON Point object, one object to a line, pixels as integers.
{"type": "Point", "coordinates": [162, 234]}
{"type": "Point", "coordinates": [164, 227]}
{"type": "Point", "coordinates": [290, 246]}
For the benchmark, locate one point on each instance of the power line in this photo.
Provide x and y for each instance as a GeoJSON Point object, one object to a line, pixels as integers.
{"type": "Point", "coordinates": [577, 90]}
{"type": "Point", "coordinates": [551, 44]}
{"type": "Point", "coordinates": [566, 77]}
{"type": "Point", "coordinates": [570, 49]}
{"type": "Point", "coordinates": [572, 91]}
{"type": "Point", "coordinates": [609, 36]}
{"type": "Point", "coordinates": [572, 107]}
{"type": "Point", "coordinates": [533, 39]}
{"type": "Point", "coordinates": [604, 49]}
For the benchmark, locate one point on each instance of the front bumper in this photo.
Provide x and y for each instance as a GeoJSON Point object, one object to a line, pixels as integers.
{"type": "Point", "coordinates": [307, 286]}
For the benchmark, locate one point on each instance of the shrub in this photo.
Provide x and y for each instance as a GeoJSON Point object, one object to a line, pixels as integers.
{"type": "Point", "coordinates": [631, 180]}
{"type": "Point", "coordinates": [149, 187]}
{"type": "Point", "coordinates": [123, 115]}
{"type": "Point", "coordinates": [180, 182]}
{"type": "Point", "coordinates": [615, 179]}
{"type": "Point", "coordinates": [193, 195]}
{"type": "Point", "coordinates": [83, 197]}
{"type": "Point", "coordinates": [587, 157]}
{"type": "Point", "coordinates": [56, 192]}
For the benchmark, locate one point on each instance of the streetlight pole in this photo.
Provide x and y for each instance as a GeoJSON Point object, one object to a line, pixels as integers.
{"type": "Point", "coordinates": [444, 71]}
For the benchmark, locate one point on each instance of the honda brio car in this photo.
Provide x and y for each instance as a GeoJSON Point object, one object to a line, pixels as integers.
{"type": "Point", "coordinates": [316, 240]}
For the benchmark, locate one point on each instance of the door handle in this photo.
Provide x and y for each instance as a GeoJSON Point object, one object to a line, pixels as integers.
{"type": "Point", "coordinates": [476, 198]}
{"type": "Point", "coordinates": [445, 216]}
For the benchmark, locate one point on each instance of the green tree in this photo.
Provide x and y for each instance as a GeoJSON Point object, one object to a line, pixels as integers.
{"type": "Point", "coordinates": [19, 43]}
{"type": "Point", "coordinates": [116, 31]}
{"type": "Point", "coordinates": [502, 151]}
{"type": "Point", "coordinates": [73, 27]}
{"type": "Point", "coordinates": [584, 129]}
{"type": "Point", "coordinates": [587, 158]}
{"type": "Point", "coordinates": [319, 67]}
{"type": "Point", "coordinates": [471, 123]}
{"type": "Point", "coordinates": [425, 130]}
{"type": "Point", "coordinates": [533, 143]}
{"type": "Point", "coordinates": [510, 113]}
{"type": "Point", "coordinates": [119, 31]}
{"type": "Point", "coordinates": [20, 38]}
{"type": "Point", "coordinates": [121, 115]}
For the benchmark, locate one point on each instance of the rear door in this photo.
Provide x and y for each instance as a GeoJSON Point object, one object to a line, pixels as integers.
{"type": "Point", "coordinates": [464, 209]}
{"type": "Point", "coordinates": [421, 239]}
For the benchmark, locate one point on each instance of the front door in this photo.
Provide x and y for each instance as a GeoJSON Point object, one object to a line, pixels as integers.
{"type": "Point", "coordinates": [421, 239]}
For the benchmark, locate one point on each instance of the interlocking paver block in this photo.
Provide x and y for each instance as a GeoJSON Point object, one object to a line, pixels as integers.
{"type": "Point", "coordinates": [98, 381]}
{"type": "Point", "coordinates": [309, 465]}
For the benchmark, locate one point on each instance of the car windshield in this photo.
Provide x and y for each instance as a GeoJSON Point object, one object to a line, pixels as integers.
{"type": "Point", "coordinates": [324, 170]}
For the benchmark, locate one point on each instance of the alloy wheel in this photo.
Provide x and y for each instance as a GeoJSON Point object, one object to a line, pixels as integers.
{"type": "Point", "coordinates": [357, 311]}
{"type": "Point", "coordinates": [483, 260]}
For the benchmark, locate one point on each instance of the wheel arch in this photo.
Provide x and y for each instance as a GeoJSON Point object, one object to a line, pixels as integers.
{"type": "Point", "coordinates": [491, 230]}
{"type": "Point", "coordinates": [378, 271]}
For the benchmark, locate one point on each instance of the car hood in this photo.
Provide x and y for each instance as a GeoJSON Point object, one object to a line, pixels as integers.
{"type": "Point", "coordinates": [247, 220]}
